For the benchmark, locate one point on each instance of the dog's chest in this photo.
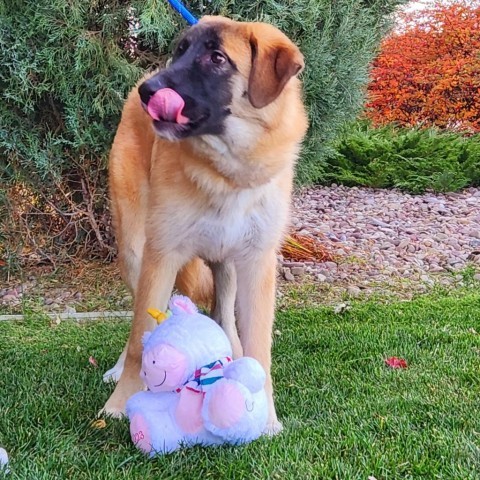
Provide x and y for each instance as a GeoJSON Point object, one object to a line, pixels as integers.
{"type": "Point", "coordinates": [235, 227]}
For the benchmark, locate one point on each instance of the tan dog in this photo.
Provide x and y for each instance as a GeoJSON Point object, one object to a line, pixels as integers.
{"type": "Point", "coordinates": [201, 171]}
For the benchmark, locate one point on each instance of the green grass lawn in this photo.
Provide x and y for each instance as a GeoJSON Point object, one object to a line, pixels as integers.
{"type": "Point", "coordinates": [346, 415]}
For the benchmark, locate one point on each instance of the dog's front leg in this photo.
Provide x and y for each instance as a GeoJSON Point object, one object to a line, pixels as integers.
{"type": "Point", "coordinates": [256, 307]}
{"type": "Point", "coordinates": [225, 280]}
{"type": "Point", "coordinates": [157, 278]}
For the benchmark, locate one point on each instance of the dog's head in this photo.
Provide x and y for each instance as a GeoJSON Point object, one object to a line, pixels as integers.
{"type": "Point", "coordinates": [218, 66]}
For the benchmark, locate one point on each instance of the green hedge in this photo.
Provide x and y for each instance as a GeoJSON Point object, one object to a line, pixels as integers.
{"type": "Point", "coordinates": [65, 68]}
{"type": "Point", "coordinates": [414, 160]}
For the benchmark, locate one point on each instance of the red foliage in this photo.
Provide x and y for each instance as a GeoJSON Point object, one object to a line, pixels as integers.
{"type": "Point", "coordinates": [429, 73]}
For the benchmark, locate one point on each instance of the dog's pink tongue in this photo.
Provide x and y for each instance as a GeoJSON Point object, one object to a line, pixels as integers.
{"type": "Point", "coordinates": [166, 104]}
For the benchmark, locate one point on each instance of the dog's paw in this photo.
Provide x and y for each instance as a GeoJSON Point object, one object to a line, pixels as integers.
{"type": "Point", "coordinates": [114, 374]}
{"type": "Point", "coordinates": [125, 388]}
{"type": "Point", "coordinates": [273, 427]}
{"type": "Point", "coordinates": [115, 406]}
{"type": "Point", "coordinates": [111, 411]}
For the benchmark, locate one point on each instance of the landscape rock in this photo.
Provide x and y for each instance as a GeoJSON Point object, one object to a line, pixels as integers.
{"type": "Point", "coordinates": [389, 234]}
{"type": "Point", "coordinates": [354, 291]}
{"type": "Point", "coordinates": [53, 306]}
{"type": "Point", "coordinates": [298, 271]}
{"type": "Point", "coordinates": [378, 239]}
{"type": "Point", "coordinates": [10, 299]}
{"type": "Point", "coordinates": [287, 274]}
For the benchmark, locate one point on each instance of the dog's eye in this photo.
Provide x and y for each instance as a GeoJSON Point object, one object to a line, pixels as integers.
{"type": "Point", "coordinates": [218, 57]}
{"type": "Point", "coordinates": [182, 47]}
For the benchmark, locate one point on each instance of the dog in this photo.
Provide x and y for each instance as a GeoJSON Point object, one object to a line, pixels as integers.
{"type": "Point", "coordinates": [200, 174]}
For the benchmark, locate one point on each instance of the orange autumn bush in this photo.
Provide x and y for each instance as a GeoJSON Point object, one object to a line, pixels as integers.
{"type": "Point", "coordinates": [428, 70]}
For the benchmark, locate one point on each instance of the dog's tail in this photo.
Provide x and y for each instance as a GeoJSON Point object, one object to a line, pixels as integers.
{"type": "Point", "coordinates": [195, 281]}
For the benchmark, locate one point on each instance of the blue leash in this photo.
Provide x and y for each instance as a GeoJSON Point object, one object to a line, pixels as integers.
{"type": "Point", "coordinates": [177, 5]}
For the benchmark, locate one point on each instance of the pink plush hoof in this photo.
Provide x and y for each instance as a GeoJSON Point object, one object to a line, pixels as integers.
{"type": "Point", "coordinates": [140, 433]}
{"type": "Point", "coordinates": [227, 405]}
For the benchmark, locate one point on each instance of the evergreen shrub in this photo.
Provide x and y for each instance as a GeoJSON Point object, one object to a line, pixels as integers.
{"type": "Point", "coordinates": [66, 66]}
{"type": "Point", "coordinates": [411, 159]}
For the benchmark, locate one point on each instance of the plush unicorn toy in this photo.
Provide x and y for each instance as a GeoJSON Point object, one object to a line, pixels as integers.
{"type": "Point", "coordinates": [196, 393]}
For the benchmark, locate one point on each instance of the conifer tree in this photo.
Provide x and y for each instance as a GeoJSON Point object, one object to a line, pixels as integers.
{"type": "Point", "coordinates": [66, 66]}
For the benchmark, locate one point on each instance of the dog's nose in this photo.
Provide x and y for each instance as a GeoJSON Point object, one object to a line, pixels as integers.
{"type": "Point", "coordinates": [148, 88]}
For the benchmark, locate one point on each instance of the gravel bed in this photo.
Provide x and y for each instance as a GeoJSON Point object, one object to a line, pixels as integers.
{"type": "Point", "coordinates": [381, 239]}
{"type": "Point", "coordinates": [384, 235]}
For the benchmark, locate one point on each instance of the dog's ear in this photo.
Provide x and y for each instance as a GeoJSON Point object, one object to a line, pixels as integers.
{"type": "Point", "coordinates": [275, 59]}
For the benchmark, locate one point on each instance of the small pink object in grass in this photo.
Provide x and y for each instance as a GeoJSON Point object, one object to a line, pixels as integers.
{"type": "Point", "coordinates": [93, 361]}
{"type": "Point", "coordinates": [395, 362]}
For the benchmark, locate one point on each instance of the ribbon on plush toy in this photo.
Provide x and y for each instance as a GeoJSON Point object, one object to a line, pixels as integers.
{"type": "Point", "coordinates": [204, 377]}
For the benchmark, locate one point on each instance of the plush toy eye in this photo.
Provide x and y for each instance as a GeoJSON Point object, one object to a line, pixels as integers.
{"type": "Point", "coordinates": [154, 362]}
{"type": "Point", "coordinates": [218, 57]}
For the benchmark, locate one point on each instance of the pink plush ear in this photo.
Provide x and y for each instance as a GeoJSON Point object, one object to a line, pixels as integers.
{"type": "Point", "coordinates": [182, 304]}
